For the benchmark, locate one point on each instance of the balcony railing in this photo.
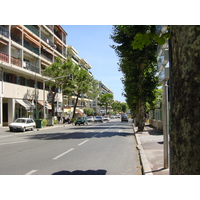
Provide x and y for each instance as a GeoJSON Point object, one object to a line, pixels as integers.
{"type": "Point", "coordinates": [33, 29]}
{"type": "Point", "coordinates": [30, 47]}
{"type": "Point", "coordinates": [50, 27]}
{"type": "Point", "coordinates": [4, 32]}
{"type": "Point", "coordinates": [48, 41]}
{"type": "Point", "coordinates": [3, 57]}
{"type": "Point", "coordinates": [16, 61]}
{"type": "Point", "coordinates": [30, 67]}
{"type": "Point", "coordinates": [16, 38]}
{"type": "Point", "coordinates": [58, 35]}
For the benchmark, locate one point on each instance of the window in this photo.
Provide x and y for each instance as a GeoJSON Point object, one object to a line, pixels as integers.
{"type": "Point", "coordinates": [6, 77]}
{"type": "Point", "coordinates": [18, 78]}
{"type": "Point", "coordinates": [27, 82]}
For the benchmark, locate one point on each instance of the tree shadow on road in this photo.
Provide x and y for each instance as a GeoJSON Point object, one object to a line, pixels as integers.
{"type": "Point", "coordinates": [81, 172]}
{"type": "Point", "coordinates": [76, 135]}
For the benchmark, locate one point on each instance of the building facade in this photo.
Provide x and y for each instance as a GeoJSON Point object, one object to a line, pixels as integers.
{"type": "Point", "coordinates": [25, 50]}
{"type": "Point", "coordinates": [94, 104]}
{"type": "Point", "coordinates": [159, 117]}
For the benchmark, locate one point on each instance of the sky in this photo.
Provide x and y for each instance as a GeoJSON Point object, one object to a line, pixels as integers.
{"type": "Point", "coordinates": [92, 42]}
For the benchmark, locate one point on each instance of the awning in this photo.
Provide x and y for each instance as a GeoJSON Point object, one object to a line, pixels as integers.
{"type": "Point", "coordinates": [67, 110]}
{"type": "Point", "coordinates": [49, 107]}
{"type": "Point", "coordinates": [78, 110]}
{"type": "Point", "coordinates": [25, 103]}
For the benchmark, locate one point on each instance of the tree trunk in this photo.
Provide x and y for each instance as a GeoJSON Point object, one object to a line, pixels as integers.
{"type": "Point", "coordinates": [140, 116]}
{"type": "Point", "coordinates": [52, 103]}
{"type": "Point", "coordinates": [75, 106]}
{"type": "Point", "coordinates": [185, 104]}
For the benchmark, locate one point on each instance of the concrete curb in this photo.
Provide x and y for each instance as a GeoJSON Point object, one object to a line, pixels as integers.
{"type": "Point", "coordinates": [146, 169]}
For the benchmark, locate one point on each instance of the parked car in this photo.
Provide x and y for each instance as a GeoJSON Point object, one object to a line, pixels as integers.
{"type": "Point", "coordinates": [90, 119]}
{"type": "Point", "coordinates": [124, 118]}
{"type": "Point", "coordinates": [106, 118]}
{"type": "Point", "coordinates": [81, 120]}
{"type": "Point", "coordinates": [22, 124]}
{"type": "Point", "coordinates": [98, 119]}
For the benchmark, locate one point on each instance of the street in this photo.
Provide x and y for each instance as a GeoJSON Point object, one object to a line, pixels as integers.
{"type": "Point", "coordinates": [107, 148]}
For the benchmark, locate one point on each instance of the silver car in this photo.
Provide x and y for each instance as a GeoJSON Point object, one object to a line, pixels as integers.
{"type": "Point", "coordinates": [22, 124]}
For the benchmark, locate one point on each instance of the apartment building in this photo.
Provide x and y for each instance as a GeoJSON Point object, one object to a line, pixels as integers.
{"type": "Point", "coordinates": [25, 50]}
{"type": "Point", "coordinates": [94, 104]}
{"type": "Point", "coordinates": [159, 117]}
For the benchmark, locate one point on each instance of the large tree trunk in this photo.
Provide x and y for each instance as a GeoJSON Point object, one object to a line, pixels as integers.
{"type": "Point", "coordinates": [185, 104]}
{"type": "Point", "coordinates": [140, 115]}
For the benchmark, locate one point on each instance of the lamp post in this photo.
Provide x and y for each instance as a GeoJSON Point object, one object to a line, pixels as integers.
{"type": "Point", "coordinates": [70, 75]}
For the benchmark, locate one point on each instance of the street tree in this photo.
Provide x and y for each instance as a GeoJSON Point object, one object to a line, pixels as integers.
{"type": "Point", "coordinates": [116, 106]}
{"type": "Point", "coordinates": [57, 69]}
{"type": "Point", "coordinates": [185, 100]}
{"type": "Point", "coordinates": [124, 107]}
{"type": "Point", "coordinates": [88, 111]}
{"type": "Point", "coordinates": [105, 100]}
{"type": "Point", "coordinates": [84, 85]}
{"type": "Point", "coordinates": [138, 66]}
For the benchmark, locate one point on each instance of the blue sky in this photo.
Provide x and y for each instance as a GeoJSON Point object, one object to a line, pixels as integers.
{"type": "Point", "coordinates": [93, 44]}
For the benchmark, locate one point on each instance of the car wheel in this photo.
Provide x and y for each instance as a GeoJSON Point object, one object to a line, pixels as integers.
{"type": "Point", "coordinates": [24, 129]}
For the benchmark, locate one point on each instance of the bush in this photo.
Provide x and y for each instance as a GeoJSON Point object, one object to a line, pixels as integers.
{"type": "Point", "coordinates": [44, 122]}
{"type": "Point", "coordinates": [73, 120]}
{"type": "Point", "coordinates": [55, 121]}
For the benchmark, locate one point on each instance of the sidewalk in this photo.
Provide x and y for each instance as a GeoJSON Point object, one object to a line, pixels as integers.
{"type": "Point", "coordinates": [150, 147]}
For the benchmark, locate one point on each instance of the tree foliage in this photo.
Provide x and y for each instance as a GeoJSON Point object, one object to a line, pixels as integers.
{"type": "Point", "coordinates": [105, 100]}
{"type": "Point", "coordinates": [138, 61]}
{"type": "Point", "coordinates": [84, 86]}
{"type": "Point", "coordinates": [57, 69]}
{"type": "Point", "coordinates": [88, 111]}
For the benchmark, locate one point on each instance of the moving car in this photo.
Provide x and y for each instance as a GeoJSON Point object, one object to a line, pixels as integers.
{"type": "Point", "coordinates": [124, 118]}
{"type": "Point", "coordinates": [90, 119]}
{"type": "Point", "coordinates": [81, 120]}
{"type": "Point", "coordinates": [22, 124]}
{"type": "Point", "coordinates": [98, 119]}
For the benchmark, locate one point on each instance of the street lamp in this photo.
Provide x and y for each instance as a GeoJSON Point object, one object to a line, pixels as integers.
{"type": "Point", "coordinates": [70, 75]}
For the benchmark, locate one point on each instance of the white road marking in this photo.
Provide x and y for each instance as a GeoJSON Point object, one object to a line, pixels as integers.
{"type": "Point", "coordinates": [31, 172]}
{"type": "Point", "coordinates": [63, 154]}
{"type": "Point", "coordinates": [82, 142]}
{"type": "Point", "coordinates": [13, 142]}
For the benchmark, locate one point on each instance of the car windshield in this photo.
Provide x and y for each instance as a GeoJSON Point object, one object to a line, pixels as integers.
{"type": "Point", "coordinates": [80, 118]}
{"type": "Point", "coordinates": [20, 121]}
{"type": "Point", "coordinates": [98, 117]}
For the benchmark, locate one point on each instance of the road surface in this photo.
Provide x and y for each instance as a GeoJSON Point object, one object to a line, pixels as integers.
{"type": "Point", "coordinates": [94, 149]}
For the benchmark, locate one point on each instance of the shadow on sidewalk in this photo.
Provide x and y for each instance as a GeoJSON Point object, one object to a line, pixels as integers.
{"type": "Point", "coordinates": [158, 170]}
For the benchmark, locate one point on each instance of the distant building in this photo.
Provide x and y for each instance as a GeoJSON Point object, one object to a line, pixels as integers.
{"type": "Point", "coordinates": [94, 104]}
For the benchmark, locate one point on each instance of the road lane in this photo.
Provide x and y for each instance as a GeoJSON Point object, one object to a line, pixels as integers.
{"type": "Point", "coordinates": [107, 148]}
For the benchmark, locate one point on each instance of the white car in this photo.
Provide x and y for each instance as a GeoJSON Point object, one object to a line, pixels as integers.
{"type": "Point", "coordinates": [22, 124]}
{"type": "Point", "coordinates": [90, 119]}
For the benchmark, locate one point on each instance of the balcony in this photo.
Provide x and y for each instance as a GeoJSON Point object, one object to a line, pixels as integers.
{"type": "Point", "coordinates": [4, 32]}
{"type": "Point", "coordinates": [45, 39]}
{"type": "Point", "coordinates": [3, 57]}
{"type": "Point", "coordinates": [30, 67]}
{"type": "Point", "coordinates": [47, 55]}
{"type": "Point", "coordinates": [30, 47]}
{"type": "Point", "coordinates": [16, 38]}
{"type": "Point", "coordinates": [50, 27]}
{"type": "Point", "coordinates": [16, 61]}
{"type": "Point", "coordinates": [33, 29]}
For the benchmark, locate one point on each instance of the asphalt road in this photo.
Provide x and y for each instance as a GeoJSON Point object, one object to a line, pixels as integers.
{"type": "Point", "coordinates": [95, 149]}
